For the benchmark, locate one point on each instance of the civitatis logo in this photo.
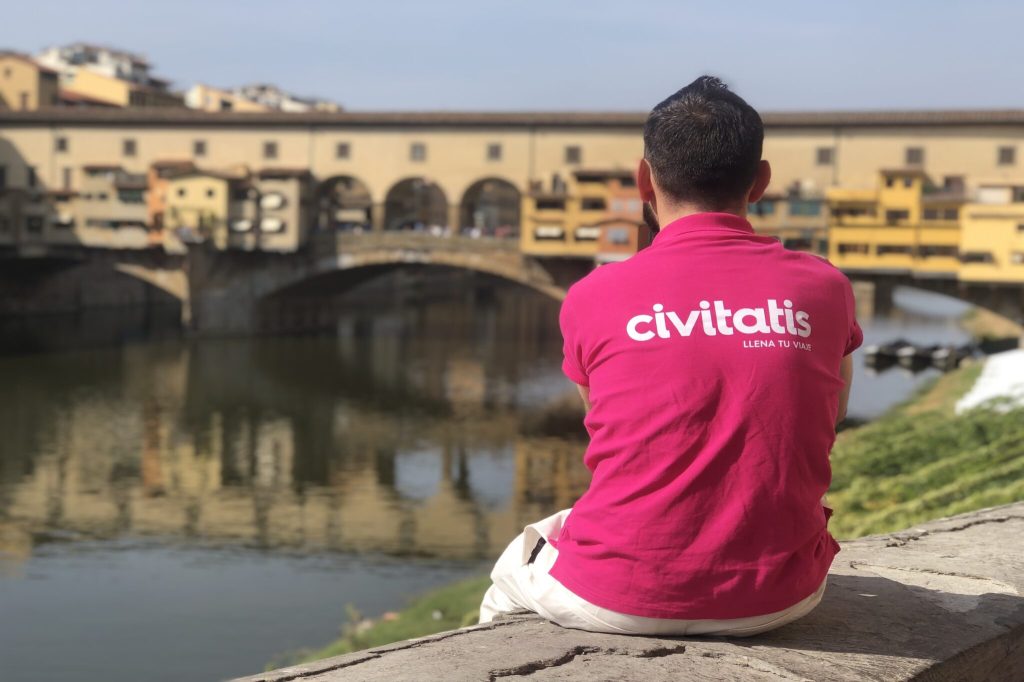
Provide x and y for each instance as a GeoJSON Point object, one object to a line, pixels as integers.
{"type": "Point", "coordinates": [716, 319]}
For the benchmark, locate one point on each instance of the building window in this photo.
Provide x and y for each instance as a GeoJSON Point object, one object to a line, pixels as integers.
{"type": "Point", "coordinates": [550, 205]}
{"type": "Point", "coordinates": [894, 216]}
{"type": "Point", "coordinates": [825, 156]}
{"type": "Point", "coordinates": [494, 152]}
{"type": "Point", "coordinates": [34, 223]}
{"type": "Point", "coordinates": [343, 150]}
{"type": "Point", "coordinates": [128, 147]}
{"type": "Point", "coordinates": [894, 249]}
{"type": "Point", "coordinates": [1007, 156]}
{"type": "Point", "coordinates": [573, 154]}
{"type": "Point", "coordinates": [199, 148]}
{"type": "Point", "coordinates": [61, 144]}
{"type": "Point", "coordinates": [805, 207]}
{"type": "Point", "coordinates": [915, 156]}
{"type": "Point", "coordinates": [66, 177]}
{"type": "Point", "coordinates": [927, 251]}
{"type": "Point", "coordinates": [764, 207]}
{"type": "Point", "coordinates": [210, 193]}
{"type": "Point", "coordinates": [953, 183]}
{"type": "Point", "coordinates": [269, 150]}
{"type": "Point", "coordinates": [853, 248]}
{"type": "Point", "coordinates": [30, 176]}
{"type": "Point", "coordinates": [102, 196]}
{"type": "Point", "coordinates": [1020, 228]}
{"type": "Point", "coordinates": [3, 177]}
{"type": "Point", "coordinates": [593, 204]}
{"type": "Point", "coordinates": [181, 191]}
{"type": "Point", "coordinates": [931, 214]}
{"type": "Point", "coordinates": [418, 151]}
{"type": "Point", "coordinates": [618, 236]}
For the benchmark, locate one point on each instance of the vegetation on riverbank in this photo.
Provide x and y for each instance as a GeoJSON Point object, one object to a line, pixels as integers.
{"type": "Point", "coordinates": [920, 461]}
{"type": "Point", "coordinates": [446, 608]}
{"type": "Point", "coordinates": [985, 325]}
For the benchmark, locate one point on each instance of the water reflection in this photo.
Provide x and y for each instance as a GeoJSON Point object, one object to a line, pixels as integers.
{"type": "Point", "coordinates": [429, 430]}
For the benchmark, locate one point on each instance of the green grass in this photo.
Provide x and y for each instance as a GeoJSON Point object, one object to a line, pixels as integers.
{"type": "Point", "coordinates": [457, 605]}
{"type": "Point", "coordinates": [919, 462]}
{"type": "Point", "coordinates": [922, 462]}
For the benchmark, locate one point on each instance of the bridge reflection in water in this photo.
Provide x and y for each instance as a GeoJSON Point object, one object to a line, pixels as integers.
{"type": "Point", "coordinates": [433, 430]}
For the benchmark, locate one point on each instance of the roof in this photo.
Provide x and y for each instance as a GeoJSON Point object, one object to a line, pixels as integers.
{"type": "Point", "coordinates": [462, 119]}
{"type": "Point", "coordinates": [171, 163]}
{"type": "Point", "coordinates": [79, 98]}
{"type": "Point", "coordinates": [188, 172]}
{"type": "Point", "coordinates": [912, 172]}
{"type": "Point", "coordinates": [283, 172]}
{"type": "Point", "coordinates": [28, 60]}
{"type": "Point", "coordinates": [604, 173]}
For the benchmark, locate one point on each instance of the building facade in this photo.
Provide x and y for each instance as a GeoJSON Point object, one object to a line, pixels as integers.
{"type": "Point", "coordinates": [26, 85]}
{"type": "Point", "coordinates": [564, 177]}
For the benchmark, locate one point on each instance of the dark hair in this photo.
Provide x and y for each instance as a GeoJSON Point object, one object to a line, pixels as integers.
{"type": "Point", "coordinates": [703, 144]}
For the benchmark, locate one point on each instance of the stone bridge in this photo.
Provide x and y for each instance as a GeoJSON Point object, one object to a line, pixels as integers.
{"type": "Point", "coordinates": [226, 288]}
{"type": "Point", "coordinates": [942, 602]}
{"type": "Point", "coordinates": [221, 292]}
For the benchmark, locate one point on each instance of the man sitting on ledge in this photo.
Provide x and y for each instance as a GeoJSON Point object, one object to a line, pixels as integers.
{"type": "Point", "coordinates": [714, 366]}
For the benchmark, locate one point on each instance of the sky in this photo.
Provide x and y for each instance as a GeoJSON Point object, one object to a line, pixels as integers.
{"type": "Point", "coordinates": [541, 55]}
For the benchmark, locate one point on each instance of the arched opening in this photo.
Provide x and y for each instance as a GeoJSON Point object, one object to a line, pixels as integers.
{"type": "Point", "coordinates": [491, 206]}
{"type": "Point", "coordinates": [344, 203]}
{"type": "Point", "coordinates": [415, 204]}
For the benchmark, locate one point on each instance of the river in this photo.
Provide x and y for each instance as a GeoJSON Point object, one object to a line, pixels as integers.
{"type": "Point", "coordinates": [179, 510]}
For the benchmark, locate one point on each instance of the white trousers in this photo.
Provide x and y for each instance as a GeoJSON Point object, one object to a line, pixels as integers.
{"type": "Point", "coordinates": [519, 584]}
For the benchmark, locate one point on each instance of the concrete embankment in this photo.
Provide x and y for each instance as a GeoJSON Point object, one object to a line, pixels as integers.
{"type": "Point", "coordinates": [943, 601]}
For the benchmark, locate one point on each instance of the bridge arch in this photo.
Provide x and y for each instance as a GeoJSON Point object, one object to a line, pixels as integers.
{"type": "Point", "coordinates": [344, 201]}
{"type": "Point", "coordinates": [493, 205]}
{"type": "Point", "coordinates": [416, 201]}
{"type": "Point", "coordinates": [360, 256]}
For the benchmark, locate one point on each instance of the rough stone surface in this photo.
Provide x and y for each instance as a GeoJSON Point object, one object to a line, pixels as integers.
{"type": "Point", "coordinates": [943, 602]}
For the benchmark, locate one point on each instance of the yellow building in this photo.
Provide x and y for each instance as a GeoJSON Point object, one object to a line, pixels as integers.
{"type": "Point", "coordinates": [209, 98]}
{"type": "Point", "coordinates": [26, 85]}
{"type": "Point", "coordinates": [101, 88]}
{"type": "Point", "coordinates": [566, 217]}
{"type": "Point", "coordinates": [203, 204]}
{"type": "Point", "coordinates": [797, 221]}
{"type": "Point", "coordinates": [992, 235]}
{"type": "Point", "coordinates": [905, 225]}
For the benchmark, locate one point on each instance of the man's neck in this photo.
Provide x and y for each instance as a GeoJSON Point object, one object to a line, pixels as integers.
{"type": "Point", "coordinates": [674, 212]}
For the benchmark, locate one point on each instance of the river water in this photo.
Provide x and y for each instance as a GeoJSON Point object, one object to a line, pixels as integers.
{"type": "Point", "coordinates": [175, 510]}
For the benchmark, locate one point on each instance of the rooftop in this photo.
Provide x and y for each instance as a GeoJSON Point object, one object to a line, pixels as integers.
{"type": "Point", "coordinates": [564, 119]}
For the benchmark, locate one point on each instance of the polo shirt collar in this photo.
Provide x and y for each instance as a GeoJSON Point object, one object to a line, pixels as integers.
{"type": "Point", "coordinates": [703, 222]}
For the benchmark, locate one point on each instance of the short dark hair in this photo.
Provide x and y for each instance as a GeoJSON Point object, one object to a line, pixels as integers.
{"type": "Point", "coordinates": [704, 144]}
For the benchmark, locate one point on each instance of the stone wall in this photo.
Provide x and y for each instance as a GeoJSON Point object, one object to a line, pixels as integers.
{"type": "Point", "coordinates": [940, 602]}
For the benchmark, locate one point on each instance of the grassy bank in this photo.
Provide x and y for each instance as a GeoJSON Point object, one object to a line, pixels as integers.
{"type": "Point", "coordinates": [919, 462]}
{"type": "Point", "coordinates": [446, 608]}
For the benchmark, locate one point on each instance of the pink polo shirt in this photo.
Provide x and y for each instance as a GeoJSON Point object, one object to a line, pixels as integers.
{"type": "Point", "coordinates": [712, 359]}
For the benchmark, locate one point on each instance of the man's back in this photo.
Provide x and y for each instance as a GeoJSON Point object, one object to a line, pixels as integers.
{"type": "Point", "coordinates": [712, 360]}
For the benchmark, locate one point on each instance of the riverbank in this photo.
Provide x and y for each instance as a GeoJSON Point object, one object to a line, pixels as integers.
{"type": "Point", "coordinates": [920, 461]}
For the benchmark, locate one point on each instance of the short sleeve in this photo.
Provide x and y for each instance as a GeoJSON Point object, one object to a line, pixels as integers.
{"type": "Point", "coordinates": [855, 336]}
{"type": "Point", "coordinates": [572, 352]}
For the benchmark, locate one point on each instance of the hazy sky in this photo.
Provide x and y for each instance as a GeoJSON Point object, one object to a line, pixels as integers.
{"type": "Point", "coordinates": [563, 54]}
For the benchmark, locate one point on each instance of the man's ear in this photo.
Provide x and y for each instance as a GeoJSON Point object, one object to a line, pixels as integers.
{"type": "Point", "coordinates": [644, 182]}
{"type": "Point", "coordinates": [761, 180]}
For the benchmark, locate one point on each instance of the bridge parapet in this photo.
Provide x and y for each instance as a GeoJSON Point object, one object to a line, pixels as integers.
{"type": "Point", "coordinates": [942, 601]}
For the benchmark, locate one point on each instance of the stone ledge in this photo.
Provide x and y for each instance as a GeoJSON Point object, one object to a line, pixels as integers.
{"type": "Point", "coordinates": [942, 602]}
